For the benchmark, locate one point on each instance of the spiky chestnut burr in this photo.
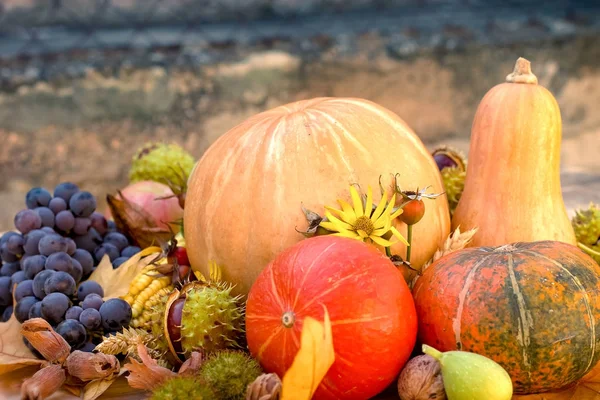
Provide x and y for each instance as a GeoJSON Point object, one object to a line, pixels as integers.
{"type": "Point", "coordinates": [203, 316]}
{"type": "Point", "coordinates": [229, 373]}
{"type": "Point", "coordinates": [183, 387]}
{"type": "Point", "coordinates": [161, 162]}
{"type": "Point", "coordinates": [586, 224]}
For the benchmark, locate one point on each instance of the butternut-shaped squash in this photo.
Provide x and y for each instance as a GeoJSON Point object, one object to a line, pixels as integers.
{"type": "Point", "coordinates": [512, 188]}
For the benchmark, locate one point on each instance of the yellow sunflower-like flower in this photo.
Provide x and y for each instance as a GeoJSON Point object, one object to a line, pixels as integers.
{"type": "Point", "coordinates": [361, 222]}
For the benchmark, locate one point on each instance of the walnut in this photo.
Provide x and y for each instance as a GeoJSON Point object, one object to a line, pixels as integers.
{"type": "Point", "coordinates": [421, 379]}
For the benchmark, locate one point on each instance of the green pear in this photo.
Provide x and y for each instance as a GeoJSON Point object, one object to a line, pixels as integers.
{"type": "Point", "coordinates": [470, 376]}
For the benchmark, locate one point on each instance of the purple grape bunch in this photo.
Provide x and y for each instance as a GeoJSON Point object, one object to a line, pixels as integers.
{"type": "Point", "coordinates": [45, 266]}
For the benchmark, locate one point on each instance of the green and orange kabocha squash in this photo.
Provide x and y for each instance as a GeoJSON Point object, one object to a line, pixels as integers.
{"type": "Point", "coordinates": [245, 195]}
{"type": "Point", "coordinates": [512, 189]}
{"type": "Point", "coordinates": [531, 307]}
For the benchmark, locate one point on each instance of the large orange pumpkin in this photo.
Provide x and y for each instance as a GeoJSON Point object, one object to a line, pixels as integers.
{"type": "Point", "coordinates": [373, 319]}
{"type": "Point", "coordinates": [245, 195]}
{"type": "Point", "coordinates": [512, 187]}
{"type": "Point", "coordinates": [532, 307]}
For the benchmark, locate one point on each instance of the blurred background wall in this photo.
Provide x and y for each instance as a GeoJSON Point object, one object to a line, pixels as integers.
{"type": "Point", "coordinates": [84, 83]}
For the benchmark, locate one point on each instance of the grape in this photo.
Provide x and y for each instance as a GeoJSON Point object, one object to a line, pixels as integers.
{"type": "Point", "coordinates": [64, 221]}
{"type": "Point", "coordinates": [118, 261]}
{"type": "Point", "coordinates": [85, 259]}
{"type": "Point", "coordinates": [60, 282]}
{"type": "Point", "coordinates": [53, 243]}
{"type": "Point", "coordinates": [117, 239]}
{"type": "Point", "coordinates": [90, 318]}
{"type": "Point", "coordinates": [99, 223]}
{"type": "Point", "coordinates": [23, 306]}
{"type": "Point", "coordinates": [82, 204]}
{"type": "Point", "coordinates": [54, 307]}
{"type": "Point", "coordinates": [36, 310]}
{"type": "Point", "coordinates": [130, 251]}
{"type": "Point", "coordinates": [24, 289]}
{"type": "Point", "coordinates": [6, 255]}
{"type": "Point", "coordinates": [14, 244]}
{"type": "Point", "coordinates": [17, 278]}
{"type": "Point", "coordinates": [7, 313]}
{"type": "Point", "coordinates": [7, 236]}
{"type": "Point", "coordinates": [57, 205]}
{"type": "Point", "coordinates": [27, 220]}
{"type": "Point", "coordinates": [92, 300]}
{"type": "Point", "coordinates": [5, 297]}
{"type": "Point", "coordinates": [46, 215]}
{"type": "Point", "coordinates": [8, 269]}
{"type": "Point", "coordinates": [47, 229]}
{"type": "Point", "coordinates": [76, 270]}
{"type": "Point", "coordinates": [37, 197]}
{"type": "Point", "coordinates": [73, 313]}
{"type": "Point", "coordinates": [116, 313]}
{"type": "Point", "coordinates": [88, 347]}
{"type": "Point", "coordinates": [31, 241]}
{"type": "Point", "coordinates": [39, 281]}
{"type": "Point", "coordinates": [33, 265]}
{"type": "Point", "coordinates": [82, 225]}
{"type": "Point", "coordinates": [89, 287]}
{"type": "Point", "coordinates": [112, 227]}
{"type": "Point", "coordinates": [65, 190]}
{"type": "Point", "coordinates": [71, 246]}
{"type": "Point", "coordinates": [59, 262]}
{"type": "Point", "coordinates": [73, 332]}
{"type": "Point", "coordinates": [106, 248]}
{"type": "Point", "coordinates": [89, 241]}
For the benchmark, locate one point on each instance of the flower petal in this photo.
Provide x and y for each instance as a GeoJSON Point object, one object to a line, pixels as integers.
{"type": "Point", "coordinates": [380, 207]}
{"type": "Point", "coordinates": [348, 234]}
{"type": "Point", "coordinates": [369, 204]}
{"type": "Point", "coordinates": [386, 214]}
{"type": "Point", "coordinates": [362, 234]}
{"type": "Point", "coordinates": [358, 206]}
{"type": "Point", "coordinates": [381, 241]}
{"type": "Point", "coordinates": [341, 224]}
{"type": "Point", "coordinates": [397, 213]}
{"type": "Point", "coordinates": [399, 235]}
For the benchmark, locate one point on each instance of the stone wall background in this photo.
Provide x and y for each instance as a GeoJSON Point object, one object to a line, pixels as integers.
{"type": "Point", "coordinates": [83, 83]}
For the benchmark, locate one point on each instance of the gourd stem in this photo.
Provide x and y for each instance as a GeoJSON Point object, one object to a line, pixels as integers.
{"type": "Point", "coordinates": [522, 73]}
{"type": "Point", "coordinates": [432, 352]}
{"type": "Point", "coordinates": [409, 240]}
{"type": "Point", "coordinates": [588, 250]}
{"type": "Point", "coordinates": [388, 252]}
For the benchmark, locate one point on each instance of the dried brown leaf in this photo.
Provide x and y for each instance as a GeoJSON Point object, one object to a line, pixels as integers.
{"type": "Point", "coordinates": [192, 365]}
{"type": "Point", "coordinates": [95, 389]}
{"type": "Point", "coordinates": [43, 383]}
{"type": "Point", "coordinates": [135, 222]}
{"type": "Point", "coordinates": [116, 281]}
{"type": "Point", "coordinates": [52, 346]}
{"type": "Point", "coordinates": [146, 375]}
{"type": "Point", "coordinates": [14, 354]}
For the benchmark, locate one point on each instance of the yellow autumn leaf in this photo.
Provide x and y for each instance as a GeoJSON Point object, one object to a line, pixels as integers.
{"type": "Point", "coordinates": [116, 281]}
{"type": "Point", "coordinates": [313, 360]}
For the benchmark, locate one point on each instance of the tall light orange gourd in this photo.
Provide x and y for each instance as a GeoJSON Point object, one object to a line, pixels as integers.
{"type": "Point", "coordinates": [512, 188]}
{"type": "Point", "coordinates": [245, 195]}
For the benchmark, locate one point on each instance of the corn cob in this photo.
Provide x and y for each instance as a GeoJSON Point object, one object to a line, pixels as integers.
{"type": "Point", "coordinates": [145, 290]}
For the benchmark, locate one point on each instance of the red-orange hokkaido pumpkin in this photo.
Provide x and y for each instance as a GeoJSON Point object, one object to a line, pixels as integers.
{"type": "Point", "coordinates": [532, 307]}
{"type": "Point", "coordinates": [370, 306]}
{"type": "Point", "coordinates": [245, 195]}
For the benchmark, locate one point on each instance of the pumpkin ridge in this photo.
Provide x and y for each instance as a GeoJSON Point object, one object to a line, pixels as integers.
{"type": "Point", "coordinates": [333, 287]}
{"type": "Point", "coordinates": [456, 322]}
{"type": "Point", "coordinates": [347, 135]}
{"type": "Point", "coordinates": [308, 270]}
{"type": "Point", "coordinates": [268, 342]}
{"type": "Point", "coordinates": [586, 301]}
{"type": "Point", "coordinates": [525, 320]}
{"type": "Point", "coordinates": [274, 290]}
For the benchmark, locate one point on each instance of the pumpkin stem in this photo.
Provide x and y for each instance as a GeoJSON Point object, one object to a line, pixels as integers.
{"type": "Point", "coordinates": [522, 73]}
